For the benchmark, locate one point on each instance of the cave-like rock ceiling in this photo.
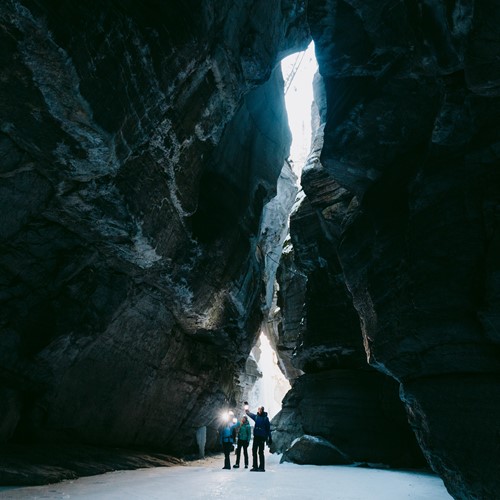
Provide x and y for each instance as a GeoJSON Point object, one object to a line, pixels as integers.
{"type": "Point", "coordinates": [140, 143]}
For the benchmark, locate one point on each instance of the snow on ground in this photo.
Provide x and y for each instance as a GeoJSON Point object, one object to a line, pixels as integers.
{"type": "Point", "coordinates": [205, 479]}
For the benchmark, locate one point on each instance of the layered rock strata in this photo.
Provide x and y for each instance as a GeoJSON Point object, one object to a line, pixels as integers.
{"type": "Point", "coordinates": [412, 132]}
{"type": "Point", "coordinates": [139, 144]}
{"type": "Point", "coordinates": [136, 155]}
{"type": "Point", "coordinates": [272, 233]}
{"type": "Point", "coordinates": [34, 464]}
{"type": "Point", "coordinates": [340, 410]}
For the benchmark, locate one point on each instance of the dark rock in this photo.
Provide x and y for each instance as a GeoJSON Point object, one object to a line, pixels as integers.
{"type": "Point", "coordinates": [411, 93]}
{"type": "Point", "coordinates": [274, 231]}
{"type": "Point", "coordinates": [329, 333]}
{"type": "Point", "coordinates": [274, 228]}
{"type": "Point", "coordinates": [356, 411]}
{"type": "Point", "coordinates": [138, 147]}
{"type": "Point", "coordinates": [438, 407]}
{"type": "Point", "coordinates": [482, 69]}
{"type": "Point", "coordinates": [11, 403]}
{"type": "Point", "coordinates": [343, 391]}
{"type": "Point", "coordinates": [314, 450]}
{"type": "Point", "coordinates": [287, 317]}
{"type": "Point", "coordinates": [22, 465]}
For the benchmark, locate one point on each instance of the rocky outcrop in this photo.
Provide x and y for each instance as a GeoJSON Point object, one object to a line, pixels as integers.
{"type": "Point", "coordinates": [340, 410]}
{"type": "Point", "coordinates": [411, 93]}
{"type": "Point", "coordinates": [313, 450]}
{"type": "Point", "coordinates": [273, 233]}
{"type": "Point", "coordinates": [138, 145]}
{"type": "Point", "coordinates": [285, 319]}
{"type": "Point", "coordinates": [274, 229]}
{"type": "Point", "coordinates": [357, 413]}
{"type": "Point", "coordinates": [33, 464]}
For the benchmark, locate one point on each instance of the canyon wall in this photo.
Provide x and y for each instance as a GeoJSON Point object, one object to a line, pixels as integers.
{"type": "Point", "coordinates": [138, 147]}
{"type": "Point", "coordinates": [340, 410]}
{"type": "Point", "coordinates": [139, 144]}
{"type": "Point", "coordinates": [411, 138]}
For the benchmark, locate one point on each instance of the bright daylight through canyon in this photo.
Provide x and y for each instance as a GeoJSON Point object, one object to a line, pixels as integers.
{"type": "Point", "coordinates": [210, 204]}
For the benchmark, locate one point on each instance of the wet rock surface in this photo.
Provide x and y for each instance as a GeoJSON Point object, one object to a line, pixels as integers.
{"type": "Point", "coordinates": [138, 147]}
{"type": "Point", "coordinates": [409, 133]}
{"type": "Point", "coordinates": [356, 411]}
{"type": "Point", "coordinates": [340, 410]}
{"type": "Point", "coordinates": [313, 450]}
{"type": "Point", "coordinates": [29, 465]}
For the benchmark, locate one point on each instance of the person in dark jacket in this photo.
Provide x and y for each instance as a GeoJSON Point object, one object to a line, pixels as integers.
{"type": "Point", "coordinates": [261, 434]}
{"type": "Point", "coordinates": [227, 440]}
{"type": "Point", "coordinates": [244, 436]}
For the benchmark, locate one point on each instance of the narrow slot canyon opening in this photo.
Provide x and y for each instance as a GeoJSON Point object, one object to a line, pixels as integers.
{"type": "Point", "coordinates": [269, 373]}
{"type": "Point", "coordinates": [271, 385]}
{"type": "Point", "coordinates": [157, 226]}
{"type": "Point", "coordinates": [298, 72]}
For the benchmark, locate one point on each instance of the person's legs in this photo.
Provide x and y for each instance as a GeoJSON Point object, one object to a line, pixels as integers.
{"type": "Point", "coordinates": [254, 454]}
{"type": "Point", "coordinates": [238, 454]}
{"type": "Point", "coordinates": [245, 452]}
{"type": "Point", "coordinates": [261, 454]}
{"type": "Point", "coordinates": [228, 448]}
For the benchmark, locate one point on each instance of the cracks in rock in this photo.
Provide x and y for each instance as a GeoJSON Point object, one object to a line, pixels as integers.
{"type": "Point", "coordinates": [53, 72]}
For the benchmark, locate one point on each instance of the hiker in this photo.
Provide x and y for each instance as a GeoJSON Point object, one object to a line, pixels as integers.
{"type": "Point", "coordinates": [261, 435]}
{"type": "Point", "coordinates": [244, 436]}
{"type": "Point", "coordinates": [227, 437]}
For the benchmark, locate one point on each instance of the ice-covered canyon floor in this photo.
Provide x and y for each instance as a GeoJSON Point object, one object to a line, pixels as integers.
{"type": "Point", "coordinates": [205, 479]}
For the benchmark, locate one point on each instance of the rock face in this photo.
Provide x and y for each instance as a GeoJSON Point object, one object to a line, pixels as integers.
{"type": "Point", "coordinates": [411, 133]}
{"type": "Point", "coordinates": [274, 231]}
{"type": "Point", "coordinates": [34, 464]}
{"type": "Point", "coordinates": [340, 410]}
{"type": "Point", "coordinates": [357, 413]}
{"type": "Point", "coordinates": [316, 450]}
{"type": "Point", "coordinates": [138, 146]}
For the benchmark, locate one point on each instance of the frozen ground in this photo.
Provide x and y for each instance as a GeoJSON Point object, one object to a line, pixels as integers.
{"type": "Point", "coordinates": [205, 479]}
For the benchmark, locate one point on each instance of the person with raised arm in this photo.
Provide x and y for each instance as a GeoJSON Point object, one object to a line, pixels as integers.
{"type": "Point", "coordinates": [227, 437]}
{"type": "Point", "coordinates": [261, 435]}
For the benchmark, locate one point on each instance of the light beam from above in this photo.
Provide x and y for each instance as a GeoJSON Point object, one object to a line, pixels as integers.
{"type": "Point", "coordinates": [298, 72]}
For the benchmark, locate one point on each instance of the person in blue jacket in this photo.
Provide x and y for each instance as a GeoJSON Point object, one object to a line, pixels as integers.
{"type": "Point", "coordinates": [227, 434]}
{"type": "Point", "coordinates": [261, 434]}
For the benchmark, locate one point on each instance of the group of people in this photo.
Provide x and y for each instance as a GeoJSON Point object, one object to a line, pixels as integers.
{"type": "Point", "coordinates": [261, 436]}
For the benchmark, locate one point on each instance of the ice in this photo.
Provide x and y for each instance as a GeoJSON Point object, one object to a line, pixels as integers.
{"type": "Point", "coordinates": [205, 479]}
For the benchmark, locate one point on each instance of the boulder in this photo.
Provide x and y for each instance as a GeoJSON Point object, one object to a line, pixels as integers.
{"type": "Point", "coordinates": [313, 450]}
{"type": "Point", "coordinates": [357, 411]}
